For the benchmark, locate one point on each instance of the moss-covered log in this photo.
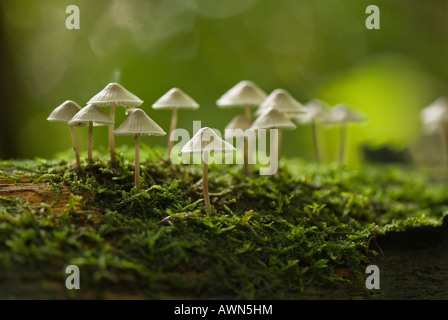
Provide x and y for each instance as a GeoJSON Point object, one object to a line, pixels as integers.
{"type": "Point", "coordinates": [307, 233]}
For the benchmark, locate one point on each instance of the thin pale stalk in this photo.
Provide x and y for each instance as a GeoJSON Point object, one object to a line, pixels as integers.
{"type": "Point", "coordinates": [279, 142]}
{"type": "Point", "coordinates": [342, 142]}
{"type": "Point", "coordinates": [75, 146]}
{"type": "Point", "coordinates": [248, 112]}
{"type": "Point", "coordinates": [90, 142]}
{"type": "Point", "coordinates": [246, 168]}
{"type": "Point", "coordinates": [205, 183]}
{"type": "Point", "coordinates": [172, 128]}
{"type": "Point", "coordinates": [316, 145]}
{"type": "Point", "coordinates": [137, 160]}
{"type": "Point", "coordinates": [111, 135]}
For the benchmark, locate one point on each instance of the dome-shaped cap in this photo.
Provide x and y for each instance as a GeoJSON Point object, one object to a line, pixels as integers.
{"type": "Point", "coordinates": [240, 124]}
{"type": "Point", "coordinates": [64, 112]}
{"type": "Point", "coordinates": [282, 101]}
{"type": "Point", "coordinates": [343, 114]}
{"type": "Point", "coordinates": [138, 122]}
{"type": "Point", "coordinates": [175, 98]}
{"type": "Point", "coordinates": [273, 119]}
{"type": "Point", "coordinates": [245, 93]}
{"type": "Point", "coordinates": [90, 113]}
{"type": "Point", "coordinates": [315, 110]}
{"type": "Point", "coordinates": [115, 93]}
{"type": "Point", "coordinates": [206, 140]}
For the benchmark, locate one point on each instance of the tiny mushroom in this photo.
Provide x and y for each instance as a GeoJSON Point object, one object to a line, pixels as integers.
{"type": "Point", "coordinates": [282, 101]}
{"type": "Point", "coordinates": [205, 142]}
{"type": "Point", "coordinates": [137, 124]}
{"type": "Point", "coordinates": [316, 110]}
{"type": "Point", "coordinates": [342, 115]}
{"type": "Point", "coordinates": [173, 100]}
{"type": "Point", "coordinates": [238, 128]}
{"type": "Point", "coordinates": [114, 95]}
{"type": "Point", "coordinates": [91, 116]}
{"type": "Point", "coordinates": [273, 119]}
{"type": "Point", "coordinates": [435, 119]}
{"type": "Point", "coordinates": [244, 94]}
{"type": "Point", "coordinates": [64, 113]}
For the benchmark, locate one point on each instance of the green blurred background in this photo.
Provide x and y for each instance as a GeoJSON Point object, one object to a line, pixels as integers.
{"type": "Point", "coordinates": [312, 48]}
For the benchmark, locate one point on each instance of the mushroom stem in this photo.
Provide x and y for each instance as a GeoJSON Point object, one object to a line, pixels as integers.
{"type": "Point", "coordinates": [246, 168]}
{"type": "Point", "coordinates": [205, 183]}
{"type": "Point", "coordinates": [75, 147]}
{"type": "Point", "coordinates": [137, 160]}
{"type": "Point", "coordinates": [248, 112]}
{"type": "Point", "coordinates": [342, 141]}
{"type": "Point", "coordinates": [316, 147]}
{"type": "Point", "coordinates": [279, 142]}
{"type": "Point", "coordinates": [90, 142]}
{"type": "Point", "coordinates": [111, 135]}
{"type": "Point", "coordinates": [172, 127]}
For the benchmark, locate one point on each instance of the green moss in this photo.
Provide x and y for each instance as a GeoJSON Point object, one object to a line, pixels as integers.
{"type": "Point", "coordinates": [268, 236]}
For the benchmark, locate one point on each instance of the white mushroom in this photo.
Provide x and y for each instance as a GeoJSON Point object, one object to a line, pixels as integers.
{"type": "Point", "coordinates": [64, 113]}
{"type": "Point", "coordinates": [343, 115]}
{"type": "Point", "coordinates": [273, 119]}
{"type": "Point", "coordinates": [316, 110]}
{"type": "Point", "coordinates": [173, 100]}
{"type": "Point", "coordinates": [244, 94]}
{"type": "Point", "coordinates": [111, 96]}
{"type": "Point", "coordinates": [239, 126]}
{"type": "Point", "coordinates": [137, 124]}
{"type": "Point", "coordinates": [282, 101]}
{"type": "Point", "coordinates": [91, 116]}
{"type": "Point", "coordinates": [205, 142]}
{"type": "Point", "coordinates": [435, 119]}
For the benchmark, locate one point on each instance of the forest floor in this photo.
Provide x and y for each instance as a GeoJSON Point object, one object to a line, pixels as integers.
{"type": "Point", "coordinates": [307, 233]}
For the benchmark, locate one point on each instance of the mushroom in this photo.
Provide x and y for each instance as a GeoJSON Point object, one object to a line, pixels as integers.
{"type": "Point", "coordinates": [239, 126]}
{"type": "Point", "coordinates": [64, 113]}
{"type": "Point", "coordinates": [342, 115]}
{"type": "Point", "coordinates": [91, 116]}
{"type": "Point", "coordinates": [114, 95]}
{"type": "Point", "coordinates": [244, 94]}
{"type": "Point", "coordinates": [137, 124]}
{"type": "Point", "coordinates": [174, 99]}
{"type": "Point", "coordinates": [435, 119]}
{"type": "Point", "coordinates": [205, 142]}
{"type": "Point", "coordinates": [282, 101]}
{"type": "Point", "coordinates": [316, 110]}
{"type": "Point", "coordinates": [273, 119]}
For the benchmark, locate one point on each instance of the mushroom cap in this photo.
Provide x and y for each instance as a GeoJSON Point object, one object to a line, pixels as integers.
{"type": "Point", "coordinates": [138, 122]}
{"type": "Point", "coordinates": [343, 114]}
{"type": "Point", "coordinates": [206, 140]}
{"type": "Point", "coordinates": [435, 115]}
{"type": "Point", "coordinates": [115, 93]}
{"type": "Point", "coordinates": [315, 110]}
{"type": "Point", "coordinates": [283, 101]}
{"type": "Point", "coordinates": [65, 112]}
{"type": "Point", "coordinates": [240, 123]}
{"type": "Point", "coordinates": [175, 98]}
{"type": "Point", "coordinates": [244, 93]}
{"type": "Point", "coordinates": [90, 113]}
{"type": "Point", "coordinates": [273, 119]}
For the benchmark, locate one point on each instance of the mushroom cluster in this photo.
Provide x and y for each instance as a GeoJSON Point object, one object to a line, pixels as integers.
{"type": "Point", "coordinates": [273, 112]}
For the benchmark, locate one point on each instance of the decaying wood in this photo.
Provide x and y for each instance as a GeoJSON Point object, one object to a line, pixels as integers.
{"type": "Point", "coordinates": [37, 194]}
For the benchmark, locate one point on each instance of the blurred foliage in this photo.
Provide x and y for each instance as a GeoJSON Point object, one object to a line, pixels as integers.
{"type": "Point", "coordinates": [314, 49]}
